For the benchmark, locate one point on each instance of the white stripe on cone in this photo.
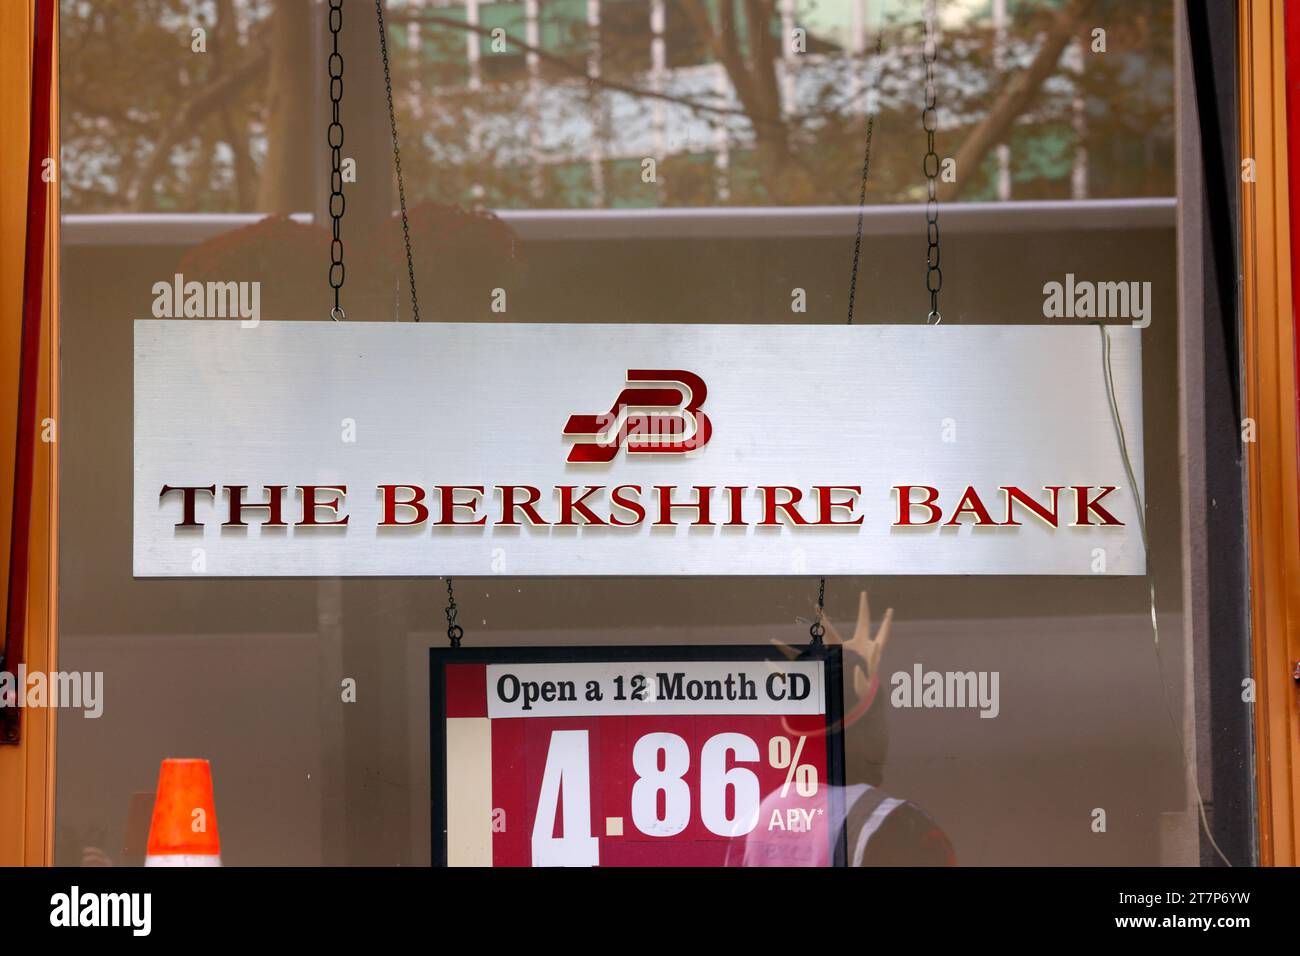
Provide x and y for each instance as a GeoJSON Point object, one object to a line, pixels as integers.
{"type": "Point", "coordinates": [183, 859]}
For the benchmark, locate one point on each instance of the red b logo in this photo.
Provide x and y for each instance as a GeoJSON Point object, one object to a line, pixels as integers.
{"type": "Point", "coordinates": [684, 428]}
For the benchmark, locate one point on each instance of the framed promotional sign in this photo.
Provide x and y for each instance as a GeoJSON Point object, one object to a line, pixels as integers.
{"type": "Point", "coordinates": [727, 755]}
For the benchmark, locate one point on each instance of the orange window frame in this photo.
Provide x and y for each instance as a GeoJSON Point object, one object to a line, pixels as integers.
{"type": "Point", "coordinates": [1273, 489]}
{"type": "Point", "coordinates": [27, 768]}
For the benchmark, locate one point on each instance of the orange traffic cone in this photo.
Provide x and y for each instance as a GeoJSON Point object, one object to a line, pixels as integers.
{"type": "Point", "coordinates": [184, 827]}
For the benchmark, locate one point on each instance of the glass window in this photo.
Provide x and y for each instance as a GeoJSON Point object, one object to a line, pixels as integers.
{"type": "Point", "coordinates": [713, 194]}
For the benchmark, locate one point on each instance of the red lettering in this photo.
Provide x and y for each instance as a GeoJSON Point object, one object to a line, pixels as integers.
{"type": "Point", "coordinates": [1016, 495]}
{"type": "Point", "coordinates": [1084, 506]}
{"type": "Point", "coordinates": [970, 503]}
{"type": "Point", "coordinates": [906, 504]}
{"type": "Point", "coordinates": [235, 494]}
{"type": "Point", "coordinates": [618, 499]}
{"type": "Point", "coordinates": [826, 507]}
{"type": "Point", "coordinates": [569, 504]}
{"type": "Point", "coordinates": [788, 507]}
{"type": "Point", "coordinates": [188, 493]}
{"type": "Point", "coordinates": [447, 495]}
{"type": "Point", "coordinates": [509, 505]}
{"type": "Point", "coordinates": [310, 503]}
{"type": "Point", "coordinates": [703, 493]}
{"type": "Point", "coordinates": [735, 498]}
{"type": "Point", "coordinates": [415, 503]}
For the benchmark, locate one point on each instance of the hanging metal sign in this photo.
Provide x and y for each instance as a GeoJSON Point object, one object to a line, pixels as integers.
{"type": "Point", "coordinates": [311, 448]}
{"type": "Point", "coordinates": [665, 756]}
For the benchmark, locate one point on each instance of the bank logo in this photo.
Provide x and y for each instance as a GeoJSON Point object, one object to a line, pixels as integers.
{"type": "Point", "coordinates": [664, 419]}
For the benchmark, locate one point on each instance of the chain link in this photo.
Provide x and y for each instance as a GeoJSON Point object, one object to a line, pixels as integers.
{"type": "Point", "coordinates": [454, 631]}
{"type": "Point", "coordinates": [334, 136]}
{"type": "Point", "coordinates": [930, 165]}
{"type": "Point", "coordinates": [818, 629]}
{"type": "Point", "coordinates": [397, 159]}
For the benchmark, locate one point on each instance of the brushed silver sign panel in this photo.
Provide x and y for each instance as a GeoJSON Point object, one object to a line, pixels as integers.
{"type": "Point", "coordinates": [434, 404]}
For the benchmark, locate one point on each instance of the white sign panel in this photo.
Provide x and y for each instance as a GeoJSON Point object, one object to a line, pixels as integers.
{"type": "Point", "coordinates": [611, 689]}
{"type": "Point", "coordinates": [321, 448]}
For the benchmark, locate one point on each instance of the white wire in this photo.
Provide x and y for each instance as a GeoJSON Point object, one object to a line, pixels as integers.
{"type": "Point", "coordinates": [1188, 763]}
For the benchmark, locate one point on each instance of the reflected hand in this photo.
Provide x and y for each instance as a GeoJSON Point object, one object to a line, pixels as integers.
{"type": "Point", "coordinates": [868, 648]}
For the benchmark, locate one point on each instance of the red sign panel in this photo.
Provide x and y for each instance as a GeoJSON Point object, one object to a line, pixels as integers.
{"type": "Point", "coordinates": [636, 757]}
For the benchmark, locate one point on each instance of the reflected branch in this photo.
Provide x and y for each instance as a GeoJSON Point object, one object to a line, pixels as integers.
{"type": "Point", "coordinates": [579, 70]}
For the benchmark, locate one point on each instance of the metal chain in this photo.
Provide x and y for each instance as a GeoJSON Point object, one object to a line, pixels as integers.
{"type": "Point", "coordinates": [818, 629]}
{"type": "Point", "coordinates": [930, 166]}
{"type": "Point", "coordinates": [334, 137]}
{"type": "Point", "coordinates": [397, 159]}
{"type": "Point", "coordinates": [862, 191]}
{"type": "Point", "coordinates": [454, 631]}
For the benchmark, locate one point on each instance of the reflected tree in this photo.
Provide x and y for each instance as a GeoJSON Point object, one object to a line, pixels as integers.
{"type": "Point", "coordinates": [151, 125]}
